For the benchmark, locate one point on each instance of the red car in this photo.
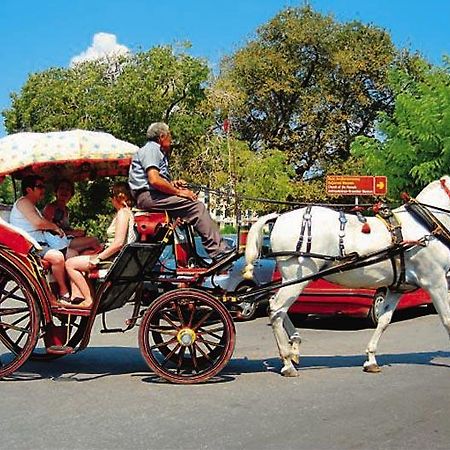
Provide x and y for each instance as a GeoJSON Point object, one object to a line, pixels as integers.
{"type": "Point", "coordinates": [324, 298]}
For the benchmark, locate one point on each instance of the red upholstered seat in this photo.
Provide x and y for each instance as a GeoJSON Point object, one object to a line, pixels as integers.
{"type": "Point", "coordinates": [149, 223]}
{"type": "Point", "coordinates": [14, 240]}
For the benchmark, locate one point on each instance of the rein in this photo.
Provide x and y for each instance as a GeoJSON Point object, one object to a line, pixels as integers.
{"type": "Point", "coordinates": [227, 194]}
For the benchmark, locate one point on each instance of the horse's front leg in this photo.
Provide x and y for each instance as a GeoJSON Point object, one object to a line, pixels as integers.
{"type": "Point", "coordinates": [441, 300]}
{"type": "Point", "coordinates": [279, 305]}
{"type": "Point", "coordinates": [387, 310]}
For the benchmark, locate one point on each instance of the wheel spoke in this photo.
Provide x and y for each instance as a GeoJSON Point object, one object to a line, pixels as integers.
{"type": "Point", "coordinates": [167, 358]}
{"type": "Point", "coordinates": [180, 358]}
{"type": "Point", "coordinates": [6, 341]}
{"type": "Point", "coordinates": [202, 331]}
{"type": "Point", "coordinates": [202, 320]}
{"type": "Point", "coordinates": [207, 341]}
{"type": "Point", "coordinates": [194, 357]}
{"type": "Point", "coordinates": [191, 316]}
{"type": "Point", "coordinates": [9, 294]}
{"type": "Point", "coordinates": [164, 344]}
{"type": "Point", "coordinates": [167, 319]}
{"type": "Point", "coordinates": [202, 352]}
{"type": "Point", "coordinates": [179, 313]}
{"type": "Point", "coordinates": [164, 330]}
{"type": "Point", "coordinates": [11, 311]}
{"type": "Point", "coordinates": [13, 327]}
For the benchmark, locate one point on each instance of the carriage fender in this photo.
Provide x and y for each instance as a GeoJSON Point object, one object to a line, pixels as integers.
{"type": "Point", "coordinates": [254, 244]}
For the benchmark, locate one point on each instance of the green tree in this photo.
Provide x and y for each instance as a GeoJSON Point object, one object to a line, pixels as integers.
{"type": "Point", "coordinates": [308, 85]}
{"type": "Point", "coordinates": [413, 144]}
{"type": "Point", "coordinates": [120, 96]}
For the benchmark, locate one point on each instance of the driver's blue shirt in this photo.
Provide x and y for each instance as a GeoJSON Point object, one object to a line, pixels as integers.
{"type": "Point", "coordinates": [150, 155]}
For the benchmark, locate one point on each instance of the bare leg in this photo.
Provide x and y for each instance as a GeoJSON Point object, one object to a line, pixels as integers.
{"type": "Point", "coordinates": [388, 308]}
{"type": "Point", "coordinates": [56, 259]}
{"type": "Point", "coordinates": [75, 268]}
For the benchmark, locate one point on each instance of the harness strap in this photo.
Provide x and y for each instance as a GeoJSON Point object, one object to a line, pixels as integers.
{"type": "Point", "coordinates": [429, 220]}
{"type": "Point", "coordinates": [397, 260]}
{"type": "Point", "coordinates": [306, 222]}
{"type": "Point", "coordinates": [343, 222]}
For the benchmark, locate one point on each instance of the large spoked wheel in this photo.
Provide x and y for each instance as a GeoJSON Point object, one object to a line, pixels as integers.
{"type": "Point", "coordinates": [19, 320]}
{"type": "Point", "coordinates": [187, 336]}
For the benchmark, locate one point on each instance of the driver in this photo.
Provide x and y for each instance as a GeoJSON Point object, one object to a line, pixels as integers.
{"type": "Point", "coordinates": [153, 189]}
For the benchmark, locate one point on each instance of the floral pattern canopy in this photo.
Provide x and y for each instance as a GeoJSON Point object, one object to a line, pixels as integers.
{"type": "Point", "coordinates": [75, 155]}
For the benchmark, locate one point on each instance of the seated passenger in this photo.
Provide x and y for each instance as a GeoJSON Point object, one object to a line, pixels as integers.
{"type": "Point", "coordinates": [120, 232]}
{"type": "Point", "coordinates": [25, 215]}
{"type": "Point", "coordinates": [57, 212]}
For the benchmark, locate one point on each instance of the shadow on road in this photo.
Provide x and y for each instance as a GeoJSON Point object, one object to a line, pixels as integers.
{"type": "Point", "coordinates": [95, 363]}
{"type": "Point", "coordinates": [350, 323]}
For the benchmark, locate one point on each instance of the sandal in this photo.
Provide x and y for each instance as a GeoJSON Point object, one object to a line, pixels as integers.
{"type": "Point", "coordinates": [64, 299]}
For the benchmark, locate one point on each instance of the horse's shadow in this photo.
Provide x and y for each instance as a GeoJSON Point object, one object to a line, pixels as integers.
{"type": "Point", "coordinates": [350, 323]}
{"type": "Point", "coordinates": [98, 362]}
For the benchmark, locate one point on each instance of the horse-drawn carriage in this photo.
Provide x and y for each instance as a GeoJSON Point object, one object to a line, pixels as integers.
{"type": "Point", "coordinates": [186, 334]}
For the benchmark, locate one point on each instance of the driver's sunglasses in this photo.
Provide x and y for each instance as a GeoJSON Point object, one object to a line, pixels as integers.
{"type": "Point", "coordinates": [39, 186]}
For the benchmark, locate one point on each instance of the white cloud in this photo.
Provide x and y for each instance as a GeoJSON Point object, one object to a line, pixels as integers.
{"type": "Point", "coordinates": [104, 45]}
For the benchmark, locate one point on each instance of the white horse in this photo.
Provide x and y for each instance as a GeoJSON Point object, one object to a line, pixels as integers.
{"type": "Point", "coordinates": [425, 265]}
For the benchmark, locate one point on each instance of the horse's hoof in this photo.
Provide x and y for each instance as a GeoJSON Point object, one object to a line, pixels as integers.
{"type": "Point", "coordinates": [372, 368]}
{"type": "Point", "coordinates": [289, 372]}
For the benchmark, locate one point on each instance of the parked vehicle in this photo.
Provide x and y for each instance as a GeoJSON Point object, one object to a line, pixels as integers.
{"type": "Point", "coordinates": [321, 297]}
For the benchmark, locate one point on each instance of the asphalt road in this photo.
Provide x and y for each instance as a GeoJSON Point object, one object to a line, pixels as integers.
{"type": "Point", "coordinates": [106, 398]}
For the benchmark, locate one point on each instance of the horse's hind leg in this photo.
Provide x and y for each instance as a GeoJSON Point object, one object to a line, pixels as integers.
{"type": "Point", "coordinates": [388, 308]}
{"type": "Point", "coordinates": [282, 328]}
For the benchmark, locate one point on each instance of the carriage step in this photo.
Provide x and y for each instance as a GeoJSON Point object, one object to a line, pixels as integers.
{"type": "Point", "coordinates": [112, 330]}
{"type": "Point", "coordinates": [59, 350]}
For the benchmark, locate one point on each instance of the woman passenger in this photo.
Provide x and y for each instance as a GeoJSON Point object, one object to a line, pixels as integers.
{"type": "Point", "coordinates": [119, 233]}
{"type": "Point", "coordinates": [58, 213]}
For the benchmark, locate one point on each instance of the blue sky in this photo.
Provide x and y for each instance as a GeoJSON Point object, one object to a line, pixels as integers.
{"type": "Point", "coordinates": [36, 35]}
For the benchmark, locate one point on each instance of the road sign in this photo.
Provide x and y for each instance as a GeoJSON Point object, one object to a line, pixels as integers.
{"type": "Point", "coordinates": [356, 185]}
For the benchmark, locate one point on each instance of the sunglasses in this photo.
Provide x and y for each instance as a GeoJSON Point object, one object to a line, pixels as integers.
{"type": "Point", "coordinates": [39, 186]}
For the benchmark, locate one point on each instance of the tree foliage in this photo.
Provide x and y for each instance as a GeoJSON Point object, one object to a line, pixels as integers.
{"type": "Point", "coordinates": [413, 144]}
{"type": "Point", "coordinates": [308, 85]}
{"type": "Point", "coordinates": [121, 96]}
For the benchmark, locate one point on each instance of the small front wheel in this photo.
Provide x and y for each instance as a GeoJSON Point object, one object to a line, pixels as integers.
{"type": "Point", "coordinates": [187, 336]}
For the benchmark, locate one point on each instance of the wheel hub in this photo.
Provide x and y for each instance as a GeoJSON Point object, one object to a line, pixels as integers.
{"type": "Point", "coordinates": [186, 337]}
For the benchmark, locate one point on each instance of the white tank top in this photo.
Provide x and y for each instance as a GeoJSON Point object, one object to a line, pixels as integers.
{"type": "Point", "coordinates": [17, 219]}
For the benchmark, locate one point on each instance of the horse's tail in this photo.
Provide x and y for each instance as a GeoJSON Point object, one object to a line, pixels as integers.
{"type": "Point", "coordinates": [254, 243]}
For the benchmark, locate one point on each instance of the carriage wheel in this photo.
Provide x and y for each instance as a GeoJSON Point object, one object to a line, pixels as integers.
{"type": "Point", "coordinates": [187, 336]}
{"type": "Point", "coordinates": [19, 320]}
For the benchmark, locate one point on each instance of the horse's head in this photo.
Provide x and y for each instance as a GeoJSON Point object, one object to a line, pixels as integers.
{"type": "Point", "coordinates": [437, 193]}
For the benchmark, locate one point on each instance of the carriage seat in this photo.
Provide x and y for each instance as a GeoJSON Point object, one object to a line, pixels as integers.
{"type": "Point", "coordinates": [148, 223]}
